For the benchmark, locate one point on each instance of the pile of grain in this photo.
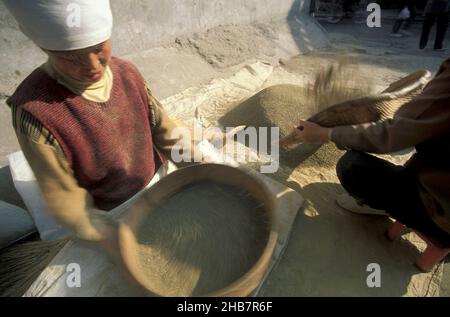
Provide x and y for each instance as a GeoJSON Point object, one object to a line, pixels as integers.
{"type": "Point", "coordinates": [201, 240]}
{"type": "Point", "coordinates": [284, 105]}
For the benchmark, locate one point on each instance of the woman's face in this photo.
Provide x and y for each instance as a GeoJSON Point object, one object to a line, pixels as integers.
{"type": "Point", "coordinates": [86, 65]}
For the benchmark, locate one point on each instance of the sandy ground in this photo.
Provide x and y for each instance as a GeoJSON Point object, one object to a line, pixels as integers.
{"type": "Point", "coordinates": [330, 249]}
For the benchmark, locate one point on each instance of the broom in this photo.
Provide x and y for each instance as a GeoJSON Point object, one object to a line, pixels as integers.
{"type": "Point", "coordinates": [21, 265]}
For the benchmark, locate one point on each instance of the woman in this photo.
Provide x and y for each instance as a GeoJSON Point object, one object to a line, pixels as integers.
{"type": "Point", "coordinates": [87, 123]}
{"type": "Point", "coordinates": [417, 194]}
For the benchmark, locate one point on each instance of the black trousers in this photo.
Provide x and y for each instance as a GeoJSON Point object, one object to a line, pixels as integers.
{"type": "Point", "coordinates": [385, 186]}
{"type": "Point", "coordinates": [442, 24]}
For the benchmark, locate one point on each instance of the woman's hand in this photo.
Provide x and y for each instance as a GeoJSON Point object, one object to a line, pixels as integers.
{"type": "Point", "coordinates": [308, 133]}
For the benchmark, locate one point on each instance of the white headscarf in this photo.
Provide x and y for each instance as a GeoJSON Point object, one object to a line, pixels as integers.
{"type": "Point", "coordinates": [63, 25]}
